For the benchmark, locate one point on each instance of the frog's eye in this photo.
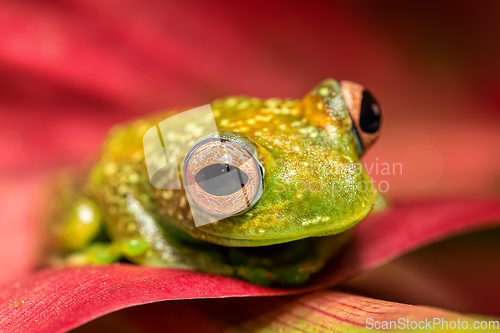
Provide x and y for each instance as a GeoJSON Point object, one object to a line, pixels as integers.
{"type": "Point", "coordinates": [365, 112]}
{"type": "Point", "coordinates": [222, 177]}
{"type": "Point", "coordinates": [369, 117]}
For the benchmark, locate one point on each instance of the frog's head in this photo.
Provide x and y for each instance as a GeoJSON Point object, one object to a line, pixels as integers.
{"type": "Point", "coordinates": [285, 169]}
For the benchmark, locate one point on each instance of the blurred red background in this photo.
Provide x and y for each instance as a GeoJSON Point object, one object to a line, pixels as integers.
{"type": "Point", "coordinates": [71, 69]}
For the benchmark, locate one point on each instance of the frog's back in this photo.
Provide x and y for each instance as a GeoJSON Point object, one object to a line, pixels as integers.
{"type": "Point", "coordinates": [236, 113]}
{"type": "Point", "coordinates": [124, 141]}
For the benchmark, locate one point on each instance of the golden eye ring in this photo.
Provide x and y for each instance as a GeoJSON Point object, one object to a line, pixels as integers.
{"type": "Point", "coordinates": [222, 177]}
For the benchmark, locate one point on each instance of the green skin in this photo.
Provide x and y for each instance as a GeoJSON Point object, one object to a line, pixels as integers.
{"type": "Point", "coordinates": [306, 149]}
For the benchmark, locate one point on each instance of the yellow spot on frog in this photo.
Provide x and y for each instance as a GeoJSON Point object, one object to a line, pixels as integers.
{"type": "Point", "coordinates": [243, 105]}
{"type": "Point", "coordinates": [182, 202]}
{"type": "Point", "coordinates": [110, 168]}
{"type": "Point", "coordinates": [264, 118]}
{"type": "Point", "coordinates": [244, 129]}
{"type": "Point", "coordinates": [272, 102]}
{"type": "Point", "coordinates": [230, 102]}
{"type": "Point", "coordinates": [133, 178]}
{"type": "Point", "coordinates": [324, 91]}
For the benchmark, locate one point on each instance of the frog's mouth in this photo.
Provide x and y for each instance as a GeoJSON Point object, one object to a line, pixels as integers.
{"type": "Point", "coordinates": [262, 241]}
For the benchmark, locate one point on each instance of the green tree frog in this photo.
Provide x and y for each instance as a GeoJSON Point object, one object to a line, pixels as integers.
{"type": "Point", "coordinates": [297, 196]}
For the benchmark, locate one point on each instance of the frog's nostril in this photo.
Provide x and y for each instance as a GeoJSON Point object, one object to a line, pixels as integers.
{"type": "Point", "coordinates": [369, 119]}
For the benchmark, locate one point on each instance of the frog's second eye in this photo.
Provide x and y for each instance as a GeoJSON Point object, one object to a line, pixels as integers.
{"type": "Point", "coordinates": [222, 177]}
{"type": "Point", "coordinates": [365, 112]}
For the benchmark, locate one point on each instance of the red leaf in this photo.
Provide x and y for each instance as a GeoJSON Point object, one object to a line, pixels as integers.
{"type": "Point", "coordinates": [325, 311]}
{"type": "Point", "coordinates": [60, 299]}
{"type": "Point", "coordinates": [459, 274]}
{"type": "Point", "coordinates": [408, 226]}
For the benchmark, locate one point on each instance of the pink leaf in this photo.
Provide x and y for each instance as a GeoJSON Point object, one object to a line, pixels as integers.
{"type": "Point", "coordinates": [326, 311]}
{"type": "Point", "coordinates": [60, 299]}
{"type": "Point", "coordinates": [459, 274]}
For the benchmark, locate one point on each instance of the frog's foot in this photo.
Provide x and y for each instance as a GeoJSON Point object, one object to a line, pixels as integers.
{"type": "Point", "coordinates": [95, 254]}
{"type": "Point", "coordinates": [286, 264]}
{"type": "Point", "coordinates": [101, 253]}
{"type": "Point", "coordinates": [380, 205]}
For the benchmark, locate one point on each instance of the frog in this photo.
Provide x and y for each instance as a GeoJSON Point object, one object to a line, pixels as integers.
{"type": "Point", "coordinates": [304, 190]}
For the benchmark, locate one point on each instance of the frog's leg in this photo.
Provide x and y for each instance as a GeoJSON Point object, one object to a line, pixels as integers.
{"type": "Point", "coordinates": [76, 234]}
{"type": "Point", "coordinates": [133, 222]}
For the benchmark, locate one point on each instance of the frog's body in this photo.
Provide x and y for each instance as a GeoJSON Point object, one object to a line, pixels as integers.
{"type": "Point", "coordinates": [312, 184]}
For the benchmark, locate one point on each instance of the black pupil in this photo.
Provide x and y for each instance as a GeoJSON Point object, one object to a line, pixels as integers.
{"type": "Point", "coordinates": [369, 118]}
{"type": "Point", "coordinates": [221, 179]}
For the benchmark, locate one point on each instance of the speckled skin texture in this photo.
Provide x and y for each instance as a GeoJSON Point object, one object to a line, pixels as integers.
{"type": "Point", "coordinates": [312, 186]}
